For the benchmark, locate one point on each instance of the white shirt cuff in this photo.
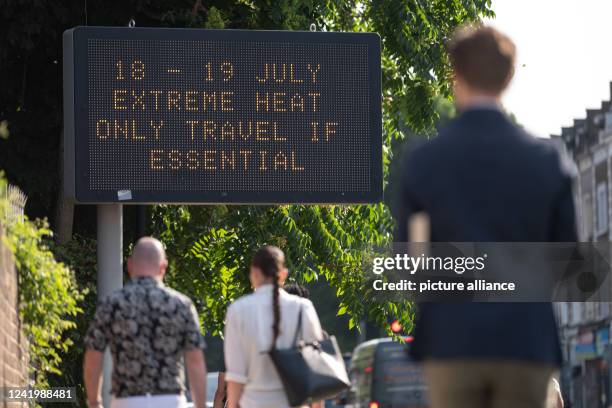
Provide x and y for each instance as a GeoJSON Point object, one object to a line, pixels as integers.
{"type": "Point", "coordinates": [237, 378]}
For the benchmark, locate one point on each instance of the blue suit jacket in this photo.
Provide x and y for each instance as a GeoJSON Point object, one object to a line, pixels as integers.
{"type": "Point", "coordinates": [483, 179]}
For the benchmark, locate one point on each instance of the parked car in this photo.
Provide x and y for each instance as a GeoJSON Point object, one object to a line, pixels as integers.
{"type": "Point", "coordinates": [383, 375]}
{"type": "Point", "coordinates": [342, 400]}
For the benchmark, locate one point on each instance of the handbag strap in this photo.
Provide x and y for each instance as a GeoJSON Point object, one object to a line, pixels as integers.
{"type": "Point", "coordinates": [298, 328]}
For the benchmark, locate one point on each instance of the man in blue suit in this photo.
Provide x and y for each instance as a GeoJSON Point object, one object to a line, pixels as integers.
{"type": "Point", "coordinates": [483, 179]}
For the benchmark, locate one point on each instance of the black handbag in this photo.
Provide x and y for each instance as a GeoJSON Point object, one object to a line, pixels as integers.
{"type": "Point", "coordinates": [310, 371]}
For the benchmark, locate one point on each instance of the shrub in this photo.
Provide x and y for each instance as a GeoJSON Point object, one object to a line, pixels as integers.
{"type": "Point", "coordinates": [48, 294]}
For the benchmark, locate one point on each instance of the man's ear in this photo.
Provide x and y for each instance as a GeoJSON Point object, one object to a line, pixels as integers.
{"type": "Point", "coordinates": [130, 265]}
{"type": "Point", "coordinates": [163, 266]}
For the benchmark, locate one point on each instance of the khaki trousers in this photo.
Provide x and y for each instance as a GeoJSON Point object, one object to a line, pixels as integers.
{"type": "Point", "coordinates": [487, 384]}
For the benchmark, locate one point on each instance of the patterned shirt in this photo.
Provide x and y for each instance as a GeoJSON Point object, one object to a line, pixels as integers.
{"type": "Point", "coordinates": [148, 327]}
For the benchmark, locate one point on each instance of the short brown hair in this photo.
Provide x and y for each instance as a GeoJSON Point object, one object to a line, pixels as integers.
{"type": "Point", "coordinates": [483, 57]}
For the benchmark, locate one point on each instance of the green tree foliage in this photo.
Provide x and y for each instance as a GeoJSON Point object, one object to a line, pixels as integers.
{"type": "Point", "coordinates": [210, 246]}
{"type": "Point", "coordinates": [79, 254]}
{"type": "Point", "coordinates": [48, 294]}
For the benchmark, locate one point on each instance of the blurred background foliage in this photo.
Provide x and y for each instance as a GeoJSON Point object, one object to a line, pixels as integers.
{"type": "Point", "coordinates": [210, 246]}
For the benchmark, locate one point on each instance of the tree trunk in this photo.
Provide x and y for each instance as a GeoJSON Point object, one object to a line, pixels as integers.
{"type": "Point", "coordinates": [64, 211]}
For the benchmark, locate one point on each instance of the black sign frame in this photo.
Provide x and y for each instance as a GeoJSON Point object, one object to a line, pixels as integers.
{"type": "Point", "coordinates": [76, 176]}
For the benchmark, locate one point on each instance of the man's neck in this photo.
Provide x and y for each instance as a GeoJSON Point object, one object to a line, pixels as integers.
{"type": "Point", "coordinates": [144, 276]}
{"type": "Point", "coordinates": [480, 102]}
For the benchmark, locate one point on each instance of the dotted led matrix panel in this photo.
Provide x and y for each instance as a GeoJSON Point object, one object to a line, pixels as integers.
{"type": "Point", "coordinates": [236, 119]}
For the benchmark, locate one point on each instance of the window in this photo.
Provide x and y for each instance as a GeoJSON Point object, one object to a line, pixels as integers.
{"type": "Point", "coordinates": [608, 121]}
{"type": "Point", "coordinates": [602, 208]}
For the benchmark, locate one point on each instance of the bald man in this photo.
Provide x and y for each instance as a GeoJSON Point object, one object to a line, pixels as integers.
{"type": "Point", "coordinates": [150, 330]}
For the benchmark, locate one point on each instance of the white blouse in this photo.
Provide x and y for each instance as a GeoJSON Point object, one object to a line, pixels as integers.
{"type": "Point", "coordinates": [248, 338]}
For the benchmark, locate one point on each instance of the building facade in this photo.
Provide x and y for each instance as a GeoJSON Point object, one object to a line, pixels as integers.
{"type": "Point", "coordinates": [585, 327]}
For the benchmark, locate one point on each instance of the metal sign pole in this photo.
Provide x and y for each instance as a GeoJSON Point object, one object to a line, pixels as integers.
{"type": "Point", "coordinates": [110, 269]}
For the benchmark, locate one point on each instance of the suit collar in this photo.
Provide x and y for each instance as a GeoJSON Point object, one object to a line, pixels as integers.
{"type": "Point", "coordinates": [483, 111]}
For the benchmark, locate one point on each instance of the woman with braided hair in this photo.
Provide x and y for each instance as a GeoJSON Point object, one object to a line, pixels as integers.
{"type": "Point", "coordinates": [258, 322]}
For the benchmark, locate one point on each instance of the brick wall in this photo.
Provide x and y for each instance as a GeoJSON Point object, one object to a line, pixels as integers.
{"type": "Point", "coordinates": [13, 346]}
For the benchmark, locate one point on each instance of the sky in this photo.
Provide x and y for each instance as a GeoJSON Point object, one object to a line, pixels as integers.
{"type": "Point", "coordinates": [564, 61]}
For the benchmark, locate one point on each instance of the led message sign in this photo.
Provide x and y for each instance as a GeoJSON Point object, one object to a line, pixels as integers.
{"type": "Point", "coordinates": [205, 116]}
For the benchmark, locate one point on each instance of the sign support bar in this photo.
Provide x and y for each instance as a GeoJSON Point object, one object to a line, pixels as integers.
{"type": "Point", "coordinates": [110, 269]}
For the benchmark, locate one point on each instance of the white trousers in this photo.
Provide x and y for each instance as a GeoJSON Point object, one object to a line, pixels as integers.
{"type": "Point", "coordinates": [150, 401]}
